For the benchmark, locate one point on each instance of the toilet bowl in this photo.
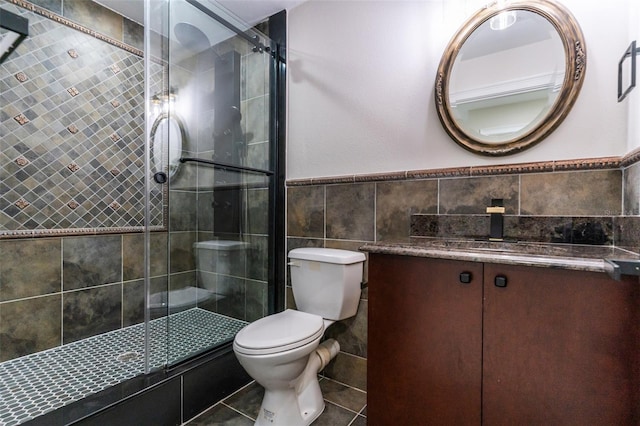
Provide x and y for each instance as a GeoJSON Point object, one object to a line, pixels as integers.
{"type": "Point", "coordinates": [282, 352]}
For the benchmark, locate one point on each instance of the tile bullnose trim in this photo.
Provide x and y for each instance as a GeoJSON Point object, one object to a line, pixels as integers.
{"type": "Point", "coordinates": [334, 180]}
{"type": "Point", "coordinates": [67, 22]}
{"type": "Point", "coordinates": [300, 182]}
{"type": "Point", "coordinates": [630, 158]}
{"type": "Point", "coordinates": [602, 163]}
{"type": "Point", "coordinates": [438, 173]}
{"type": "Point", "coordinates": [588, 164]}
{"type": "Point", "coordinates": [34, 233]}
{"type": "Point", "coordinates": [381, 177]}
{"type": "Point", "coordinates": [517, 168]}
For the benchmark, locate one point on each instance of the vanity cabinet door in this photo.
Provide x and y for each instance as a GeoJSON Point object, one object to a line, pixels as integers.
{"type": "Point", "coordinates": [424, 341]}
{"type": "Point", "coordinates": [560, 348]}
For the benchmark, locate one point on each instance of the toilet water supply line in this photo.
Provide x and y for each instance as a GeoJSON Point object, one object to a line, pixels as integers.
{"type": "Point", "coordinates": [325, 352]}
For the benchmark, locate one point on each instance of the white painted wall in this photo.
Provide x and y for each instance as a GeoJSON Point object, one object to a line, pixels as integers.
{"type": "Point", "coordinates": [361, 77]}
{"type": "Point", "coordinates": [633, 99]}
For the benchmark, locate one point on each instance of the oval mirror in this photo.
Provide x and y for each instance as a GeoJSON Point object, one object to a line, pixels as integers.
{"type": "Point", "coordinates": [167, 137]}
{"type": "Point", "coordinates": [510, 76]}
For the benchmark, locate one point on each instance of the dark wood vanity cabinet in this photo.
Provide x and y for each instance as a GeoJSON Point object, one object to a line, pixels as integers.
{"type": "Point", "coordinates": [424, 356]}
{"type": "Point", "coordinates": [515, 345]}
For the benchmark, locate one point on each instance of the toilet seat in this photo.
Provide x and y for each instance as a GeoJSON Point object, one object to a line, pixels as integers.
{"type": "Point", "coordinates": [279, 332]}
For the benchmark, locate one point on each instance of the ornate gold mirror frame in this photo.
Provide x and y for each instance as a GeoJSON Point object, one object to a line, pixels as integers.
{"type": "Point", "coordinates": [575, 64]}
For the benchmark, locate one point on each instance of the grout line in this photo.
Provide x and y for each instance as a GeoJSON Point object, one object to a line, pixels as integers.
{"type": "Point", "coordinates": [343, 384]}
{"type": "Point", "coordinates": [324, 238]}
{"type": "Point", "coordinates": [238, 411]}
{"type": "Point", "coordinates": [342, 406]}
{"type": "Point", "coordinates": [354, 419]}
{"type": "Point", "coordinates": [239, 390]}
{"type": "Point", "coordinates": [362, 411]}
{"type": "Point", "coordinates": [375, 212]}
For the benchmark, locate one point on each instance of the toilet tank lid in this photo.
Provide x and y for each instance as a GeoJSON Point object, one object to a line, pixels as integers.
{"type": "Point", "coordinates": [221, 245]}
{"type": "Point", "coordinates": [327, 255]}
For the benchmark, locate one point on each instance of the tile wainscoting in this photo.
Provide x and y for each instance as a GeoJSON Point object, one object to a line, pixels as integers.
{"type": "Point", "coordinates": [591, 201]}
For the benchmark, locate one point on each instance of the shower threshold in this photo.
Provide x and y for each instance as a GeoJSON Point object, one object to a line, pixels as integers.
{"type": "Point", "coordinates": [36, 384]}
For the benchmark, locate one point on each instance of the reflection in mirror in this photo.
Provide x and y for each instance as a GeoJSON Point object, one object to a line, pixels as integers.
{"type": "Point", "coordinates": [510, 76]}
{"type": "Point", "coordinates": [507, 76]}
{"type": "Point", "coordinates": [167, 138]}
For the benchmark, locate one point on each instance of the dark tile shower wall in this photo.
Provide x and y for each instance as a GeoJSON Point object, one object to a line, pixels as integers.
{"type": "Point", "coordinates": [72, 125]}
{"type": "Point", "coordinates": [193, 191]}
{"type": "Point", "coordinates": [59, 290]}
{"type": "Point", "coordinates": [583, 202]}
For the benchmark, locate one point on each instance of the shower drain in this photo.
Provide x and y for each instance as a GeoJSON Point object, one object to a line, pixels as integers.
{"type": "Point", "coordinates": [128, 356]}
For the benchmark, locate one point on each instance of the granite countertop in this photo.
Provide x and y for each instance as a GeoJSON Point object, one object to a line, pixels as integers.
{"type": "Point", "coordinates": [562, 256]}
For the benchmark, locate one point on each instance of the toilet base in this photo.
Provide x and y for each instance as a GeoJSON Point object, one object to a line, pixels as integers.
{"type": "Point", "coordinates": [286, 407]}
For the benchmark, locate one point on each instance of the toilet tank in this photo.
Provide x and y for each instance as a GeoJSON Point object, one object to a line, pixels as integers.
{"type": "Point", "coordinates": [225, 257]}
{"type": "Point", "coordinates": [326, 282]}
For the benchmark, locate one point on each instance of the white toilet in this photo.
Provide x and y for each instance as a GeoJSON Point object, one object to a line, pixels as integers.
{"type": "Point", "coordinates": [282, 351]}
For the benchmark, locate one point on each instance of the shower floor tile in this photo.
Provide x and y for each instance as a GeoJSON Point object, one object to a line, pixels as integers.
{"type": "Point", "coordinates": [42, 382]}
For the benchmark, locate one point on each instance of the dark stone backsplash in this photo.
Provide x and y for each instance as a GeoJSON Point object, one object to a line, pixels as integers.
{"type": "Point", "coordinates": [544, 229]}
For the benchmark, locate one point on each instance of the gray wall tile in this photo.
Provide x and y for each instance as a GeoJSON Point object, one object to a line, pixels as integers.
{"type": "Point", "coordinates": [133, 33]}
{"type": "Point", "coordinates": [182, 210]}
{"type": "Point", "coordinates": [257, 257]}
{"type": "Point", "coordinates": [90, 312]}
{"type": "Point", "coordinates": [132, 302]}
{"type": "Point", "coordinates": [350, 211]}
{"type": "Point", "coordinates": [75, 177]}
{"type": "Point", "coordinates": [351, 333]}
{"type": "Point", "coordinates": [627, 232]}
{"type": "Point", "coordinates": [29, 268]}
{"type": "Point", "coordinates": [91, 261]}
{"type": "Point", "coordinates": [397, 201]}
{"type": "Point", "coordinates": [306, 211]}
{"type": "Point", "coordinates": [133, 256]}
{"type": "Point", "coordinates": [473, 195]}
{"type": "Point", "coordinates": [597, 192]}
{"type": "Point", "coordinates": [256, 303]}
{"type": "Point", "coordinates": [181, 251]}
{"type": "Point", "coordinates": [348, 369]}
{"type": "Point", "coordinates": [94, 16]}
{"type": "Point", "coordinates": [41, 331]}
{"type": "Point", "coordinates": [233, 292]}
{"type": "Point", "coordinates": [54, 6]}
{"type": "Point", "coordinates": [631, 176]}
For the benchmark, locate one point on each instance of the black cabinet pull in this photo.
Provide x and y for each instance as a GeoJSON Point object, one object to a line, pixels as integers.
{"type": "Point", "coordinates": [500, 281]}
{"type": "Point", "coordinates": [465, 277]}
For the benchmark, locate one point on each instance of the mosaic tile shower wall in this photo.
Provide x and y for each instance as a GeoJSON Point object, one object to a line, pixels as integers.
{"type": "Point", "coordinates": [72, 127]}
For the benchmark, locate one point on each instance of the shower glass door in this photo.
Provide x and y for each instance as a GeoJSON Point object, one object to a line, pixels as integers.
{"type": "Point", "coordinates": [210, 142]}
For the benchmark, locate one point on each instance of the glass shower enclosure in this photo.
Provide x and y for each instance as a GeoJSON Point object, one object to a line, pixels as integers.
{"type": "Point", "coordinates": [141, 202]}
{"type": "Point", "coordinates": [212, 171]}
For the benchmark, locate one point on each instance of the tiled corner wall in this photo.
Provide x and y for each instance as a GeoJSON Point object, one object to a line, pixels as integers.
{"type": "Point", "coordinates": [592, 201]}
{"type": "Point", "coordinates": [60, 290]}
{"type": "Point", "coordinates": [72, 122]}
{"type": "Point", "coordinates": [72, 125]}
{"type": "Point", "coordinates": [243, 283]}
{"type": "Point", "coordinates": [72, 161]}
